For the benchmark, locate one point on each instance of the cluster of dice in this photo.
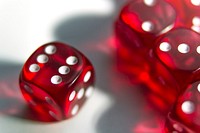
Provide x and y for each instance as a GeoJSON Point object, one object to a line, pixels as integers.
{"type": "Point", "coordinates": [56, 80]}
{"type": "Point", "coordinates": [158, 45]}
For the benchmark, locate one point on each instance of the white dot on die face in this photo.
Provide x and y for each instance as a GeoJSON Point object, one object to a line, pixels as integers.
{"type": "Point", "coordinates": [50, 49]}
{"type": "Point", "coordinates": [42, 58]}
{"type": "Point", "coordinates": [87, 76]}
{"type": "Point", "coordinates": [34, 68]}
{"type": "Point", "coordinates": [188, 107]}
{"type": "Point", "coordinates": [196, 21]}
{"type": "Point", "coordinates": [150, 2]}
{"type": "Point", "coordinates": [75, 109]}
{"type": "Point", "coordinates": [147, 26]}
{"type": "Point", "coordinates": [28, 89]}
{"type": "Point", "coordinates": [52, 114]}
{"type": "Point", "coordinates": [56, 79]}
{"type": "Point", "coordinates": [183, 48]}
{"type": "Point", "coordinates": [72, 60]}
{"type": "Point", "coordinates": [198, 49]}
{"type": "Point", "coordinates": [64, 70]}
{"type": "Point", "coordinates": [80, 93]}
{"type": "Point", "coordinates": [89, 91]}
{"type": "Point", "coordinates": [195, 2]}
{"type": "Point", "coordinates": [72, 95]}
{"type": "Point", "coordinates": [165, 46]}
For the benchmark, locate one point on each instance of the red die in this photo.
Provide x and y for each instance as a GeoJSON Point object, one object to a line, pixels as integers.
{"type": "Point", "coordinates": [139, 24]}
{"type": "Point", "coordinates": [179, 50]}
{"type": "Point", "coordinates": [186, 111]}
{"type": "Point", "coordinates": [56, 80]}
{"type": "Point", "coordinates": [148, 18]}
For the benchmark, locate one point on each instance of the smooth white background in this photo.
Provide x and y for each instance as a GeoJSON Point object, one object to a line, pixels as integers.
{"type": "Point", "coordinates": [85, 24]}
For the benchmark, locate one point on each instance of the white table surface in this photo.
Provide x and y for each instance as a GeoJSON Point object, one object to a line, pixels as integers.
{"type": "Point", "coordinates": [115, 107]}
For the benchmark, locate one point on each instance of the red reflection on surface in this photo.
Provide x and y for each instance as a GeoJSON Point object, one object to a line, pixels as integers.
{"type": "Point", "coordinates": [10, 98]}
{"type": "Point", "coordinates": [13, 104]}
{"type": "Point", "coordinates": [152, 125]}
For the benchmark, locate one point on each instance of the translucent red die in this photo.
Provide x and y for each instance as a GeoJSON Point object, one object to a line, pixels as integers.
{"type": "Point", "coordinates": [179, 50]}
{"type": "Point", "coordinates": [185, 116]}
{"type": "Point", "coordinates": [56, 80]}
{"type": "Point", "coordinates": [148, 18]}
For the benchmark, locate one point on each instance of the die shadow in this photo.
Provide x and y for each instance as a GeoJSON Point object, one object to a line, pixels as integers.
{"type": "Point", "coordinates": [11, 100]}
{"type": "Point", "coordinates": [93, 35]}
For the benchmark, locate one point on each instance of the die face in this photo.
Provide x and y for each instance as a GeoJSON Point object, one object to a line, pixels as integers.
{"type": "Point", "coordinates": [79, 92]}
{"type": "Point", "coordinates": [76, 100]}
{"type": "Point", "coordinates": [187, 14]}
{"type": "Point", "coordinates": [179, 50]}
{"type": "Point", "coordinates": [149, 17]}
{"type": "Point", "coordinates": [53, 65]}
{"type": "Point", "coordinates": [41, 102]}
{"type": "Point", "coordinates": [187, 109]}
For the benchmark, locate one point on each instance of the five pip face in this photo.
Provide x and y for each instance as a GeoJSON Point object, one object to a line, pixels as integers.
{"type": "Point", "coordinates": [56, 81]}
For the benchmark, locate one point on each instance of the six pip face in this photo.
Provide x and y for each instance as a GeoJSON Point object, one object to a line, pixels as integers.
{"type": "Point", "coordinates": [56, 80]}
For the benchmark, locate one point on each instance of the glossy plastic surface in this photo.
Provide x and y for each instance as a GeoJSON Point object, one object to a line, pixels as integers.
{"type": "Point", "coordinates": [57, 77]}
